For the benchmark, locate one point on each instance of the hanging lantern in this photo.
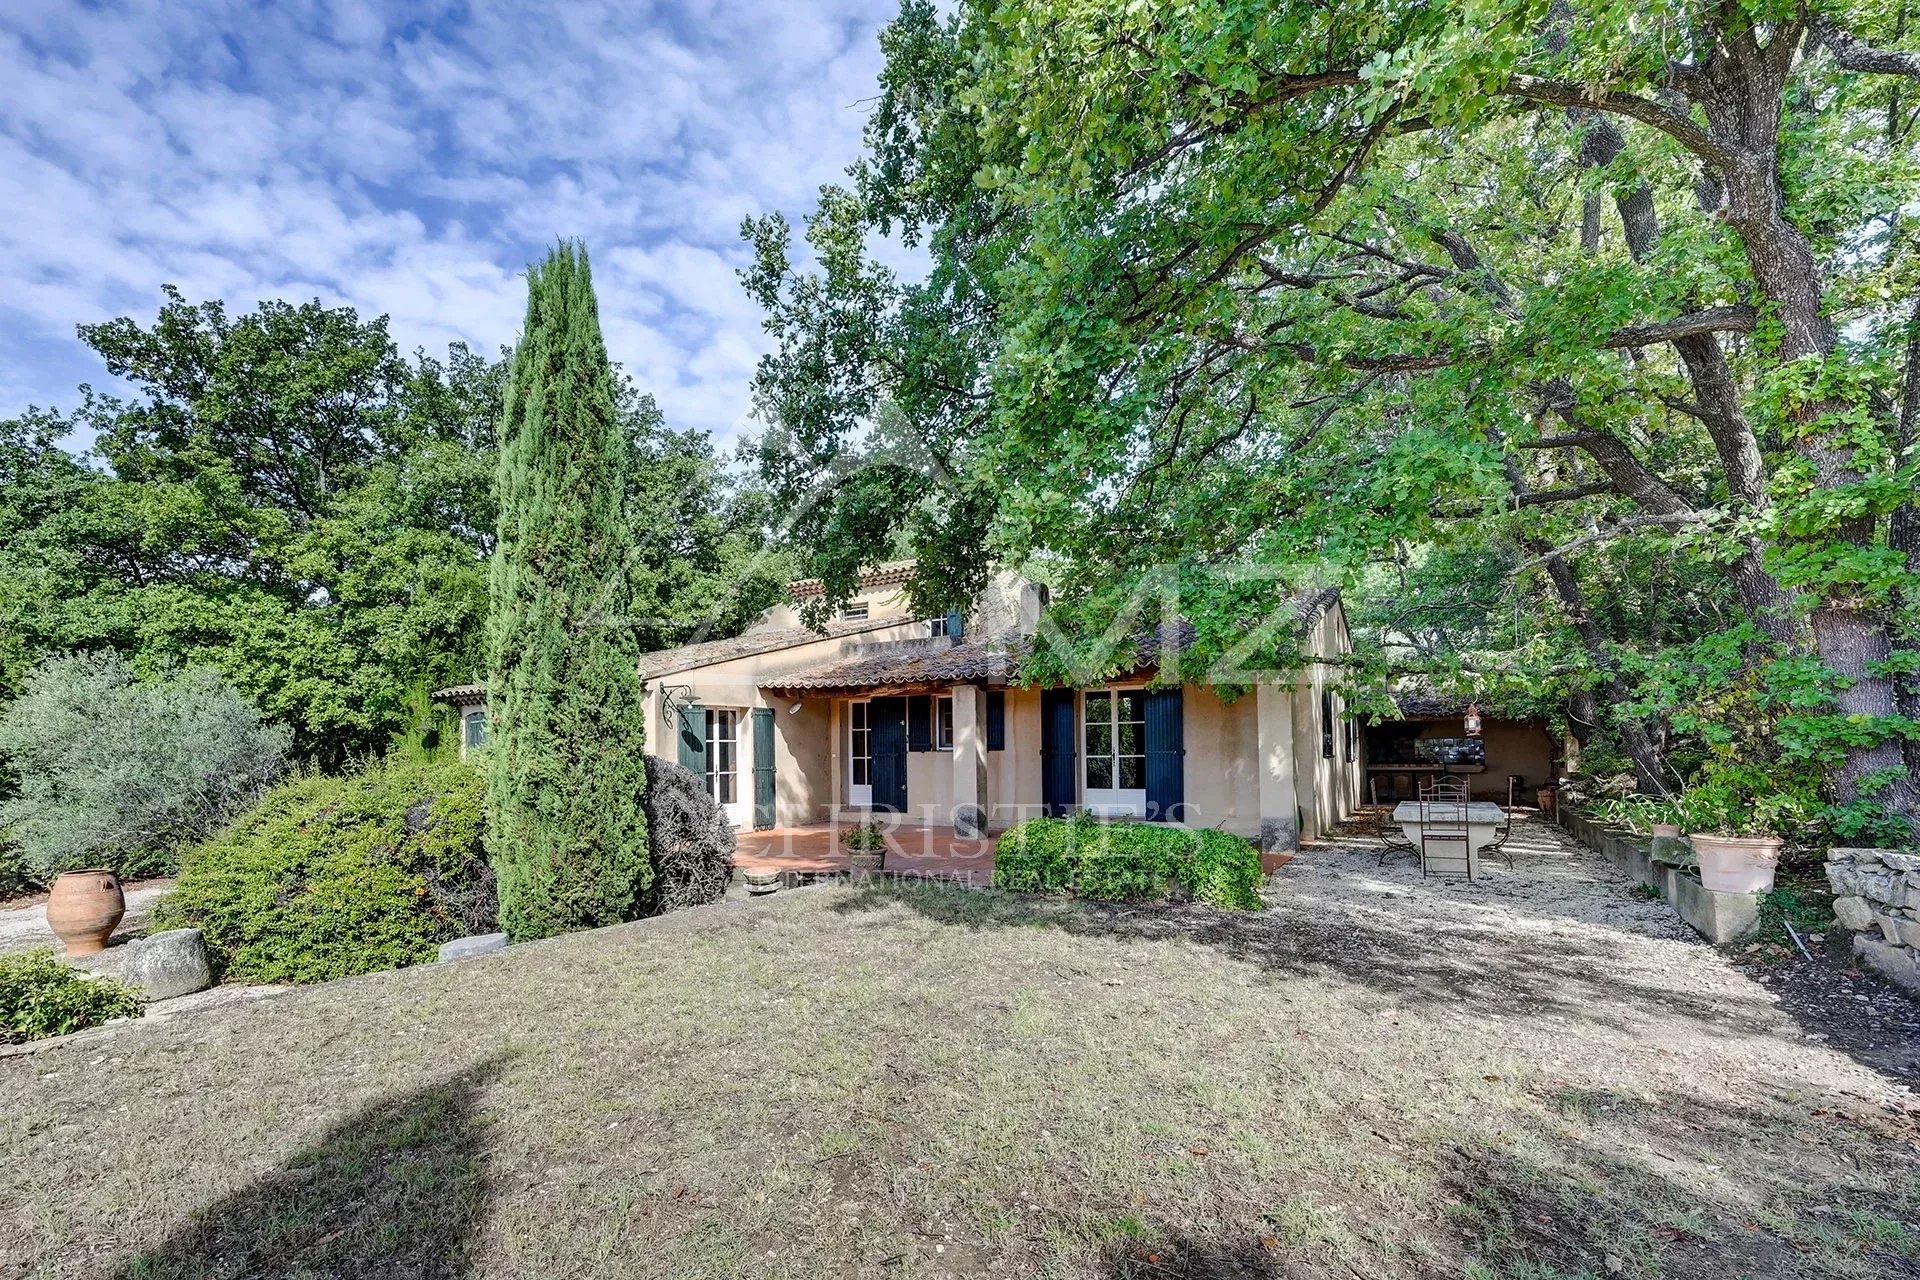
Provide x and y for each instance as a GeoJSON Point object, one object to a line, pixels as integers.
{"type": "Point", "coordinates": [1473, 719]}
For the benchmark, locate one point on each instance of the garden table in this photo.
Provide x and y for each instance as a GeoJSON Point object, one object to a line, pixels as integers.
{"type": "Point", "coordinates": [1484, 820]}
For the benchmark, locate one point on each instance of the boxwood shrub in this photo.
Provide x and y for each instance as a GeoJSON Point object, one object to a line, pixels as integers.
{"type": "Point", "coordinates": [333, 876]}
{"type": "Point", "coordinates": [41, 997]}
{"type": "Point", "coordinates": [1127, 862]}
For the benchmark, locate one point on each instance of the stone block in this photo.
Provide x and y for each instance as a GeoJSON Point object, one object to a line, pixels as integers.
{"type": "Point", "coordinates": [1673, 851]}
{"type": "Point", "coordinates": [1889, 927]}
{"type": "Point", "coordinates": [1878, 887]}
{"type": "Point", "coordinates": [480, 944]}
{"type": "Point", "coordinates": [1853, 912]}
{"type": "Point", "coordinates": [1909, 931]}
{"type": "Point", "coordinates": [163, 966]}
{"type": "Point", "coordinates": [969, 821]}
{"type": "Point", "coordinates": [170, 964]}
{"type": "Point", "coordinates": [1279, 835]}
{"type": "Point", "coordinates": [1895, 963]}
{"type": "Point", "coordinates": [1900, 861]}
{"type": "Point", "coordinates": [1717, 917]}
{"type": "Point", "coordinates": [1843, 879]}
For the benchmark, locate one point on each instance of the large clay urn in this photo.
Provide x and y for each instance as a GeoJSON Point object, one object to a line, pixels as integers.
{"type": "Point", "coordinates": [1737, 864]}
{"type": "Point", "coordinates": [83, 908]}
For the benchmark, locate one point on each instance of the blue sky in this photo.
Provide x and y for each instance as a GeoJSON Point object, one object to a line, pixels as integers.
{"type": "Point", "coordinates": [410, 160]}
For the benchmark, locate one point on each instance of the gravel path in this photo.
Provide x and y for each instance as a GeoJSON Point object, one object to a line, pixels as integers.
{"type": "Point", "coordinates": [24, 928]}
{"type": "Point", "coordinates": [1561, 934]}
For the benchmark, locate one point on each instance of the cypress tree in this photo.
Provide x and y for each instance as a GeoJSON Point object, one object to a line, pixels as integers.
{"type": "Point", "coordinates": [565, 829]}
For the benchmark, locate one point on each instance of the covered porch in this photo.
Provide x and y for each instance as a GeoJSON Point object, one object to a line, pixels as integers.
{"type": "Point", "coordinates": [914, 847]}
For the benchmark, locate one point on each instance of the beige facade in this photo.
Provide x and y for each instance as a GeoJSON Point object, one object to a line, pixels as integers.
{"type": "Point", "coordinates": [1277, 764]}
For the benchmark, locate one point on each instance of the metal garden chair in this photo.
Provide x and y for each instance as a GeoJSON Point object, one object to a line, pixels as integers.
{"type": "Point", "coordinates": [1444, 835]}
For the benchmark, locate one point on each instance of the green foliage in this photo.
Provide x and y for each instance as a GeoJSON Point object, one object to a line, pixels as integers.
{"type": "Point", "coordinates": [281, 497]}
{"type": "Point", "coordinates": [334, 876]}
{"type": "Point", "coordinates": [16, 877]}
{"type": "Point", "coordinates": [1390, 297]}
{"type": "Point", "coordinates": [118, 772]}
{"type": "Point", "coordinates": [1807, 909]}
{"type": "Point", "coordinates": [566, 707]}
{"type": "Point", "coordinates": [41, 997]}
{"type": "Point", "coordinates": [1638, 812]}
{"type": "Point", "coordinates": [1127, 862]}
{"type": "Point", "coordinates": [284, 497]}
{"type": "Point", "coordinates": [867, 837]}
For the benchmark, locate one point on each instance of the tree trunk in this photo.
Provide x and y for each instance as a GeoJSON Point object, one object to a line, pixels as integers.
{"type": "Point", "coordinates": [1715, 395]}
{"type": "Point", "coordinates": [1742, 88]}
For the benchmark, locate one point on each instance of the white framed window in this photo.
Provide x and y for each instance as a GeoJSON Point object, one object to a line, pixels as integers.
{"type": "Point", "coordinates": [1114, 752]}
{"type": "Point", "coordinates": [859, 754]}
{"type": "Point", "coordinates": [473, 729]}
{"type": "Point", "coordinates": [943, 723]}
{"type": "Point", "coordinates": [937, 627]}
{"type": "Point", "coordinates": [854, 611]}
{"type": "Point", "coordinates": [723, 756]}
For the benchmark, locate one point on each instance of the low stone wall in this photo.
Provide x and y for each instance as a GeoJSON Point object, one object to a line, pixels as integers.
{"type": "Point", "coordinates": [1667, 865]}
{"type": "Point", "coordinates": [1877, 895]}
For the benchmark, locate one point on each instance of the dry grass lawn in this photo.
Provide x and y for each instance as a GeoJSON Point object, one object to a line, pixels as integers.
{"type": "Point", "coordinates": [923, 1082]}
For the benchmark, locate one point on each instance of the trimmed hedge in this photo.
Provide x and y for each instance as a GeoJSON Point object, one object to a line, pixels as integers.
{"type": "Point", "coordinates": [1127, 862]}
{"type": "Point", "coordinates": [330, 877]}
{"type": "Point", "coordinates": [41, 997]}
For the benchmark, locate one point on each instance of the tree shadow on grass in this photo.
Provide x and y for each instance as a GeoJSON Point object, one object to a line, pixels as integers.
{"type": "Point", "coordinates": [1598, 1184]}
{"type": "Point", "coordinates": [394, 1191]}
{"type": "Point", "coordinates": [1508, 974]}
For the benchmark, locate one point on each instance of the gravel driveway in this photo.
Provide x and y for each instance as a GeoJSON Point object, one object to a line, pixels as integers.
{"type": "Point", "coordinates": [24, 928]}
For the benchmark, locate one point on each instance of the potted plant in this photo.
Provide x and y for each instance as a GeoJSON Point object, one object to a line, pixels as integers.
{"type": "Point", "coordinates": [1735, 832]}
{"type": "Point", "coordinates": [866, 848]}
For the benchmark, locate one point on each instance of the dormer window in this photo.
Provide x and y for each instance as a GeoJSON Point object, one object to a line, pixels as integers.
{"type": "Point", "coordinates": [855, 611]}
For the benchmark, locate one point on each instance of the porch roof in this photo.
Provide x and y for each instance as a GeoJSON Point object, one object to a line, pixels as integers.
{"type": "Point", "coordinates": [910, 664]}
{"type": "Point", "coordinates": [906, 665]}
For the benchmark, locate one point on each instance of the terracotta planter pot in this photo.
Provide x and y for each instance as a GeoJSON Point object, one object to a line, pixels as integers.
{"type": "Point", "coordinates": [1737, 864]}
{"type": "Point", "coordinates": [1546, 798]}
{"type": "Point", "coordinates": [83, 907]}
{"type": "Point", "coordinates": [1666, 831]}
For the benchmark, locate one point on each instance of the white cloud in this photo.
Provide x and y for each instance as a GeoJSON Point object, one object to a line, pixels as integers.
{"type": "Point", "coordinates": [410, 160]}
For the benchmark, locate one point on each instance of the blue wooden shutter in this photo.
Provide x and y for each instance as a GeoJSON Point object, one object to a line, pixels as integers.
{"type": "Point", "coordinates": [762, 768]}
{"type": "Point", "coordinates": [956, 624]}
{"type": "Point", "coordinates": [1166, 749]}
{"type": "Point", "coordinates": [693, 737]}
{"type": "Point", "coordinates": [996, 719]}
{"type": "Point", "coordinates": [1058, 783]}
{"type": "Point", "coordinates": [888, 719]}
{"type": "Point", "coordinates": [919, 724]}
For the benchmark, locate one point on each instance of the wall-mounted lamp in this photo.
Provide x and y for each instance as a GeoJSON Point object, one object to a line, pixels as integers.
{"type": "Point", "coordinates": [794, 710]}
{"type": "Point", "coordinates": [1473, 719]}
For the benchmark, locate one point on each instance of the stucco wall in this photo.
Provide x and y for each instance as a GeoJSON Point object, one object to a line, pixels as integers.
{"type": "Point", "coordinates": [1328, 788]}
{"type": "Point", "coordinates": [803, 742]}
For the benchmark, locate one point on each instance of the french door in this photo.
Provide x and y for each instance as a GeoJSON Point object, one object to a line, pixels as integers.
{"type": "Point", "coordinates": [723, 765]}
{"type": "Point", "coordinates": [1114, 737]}
{"type": "Point", "coordinates": [860, 755]}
